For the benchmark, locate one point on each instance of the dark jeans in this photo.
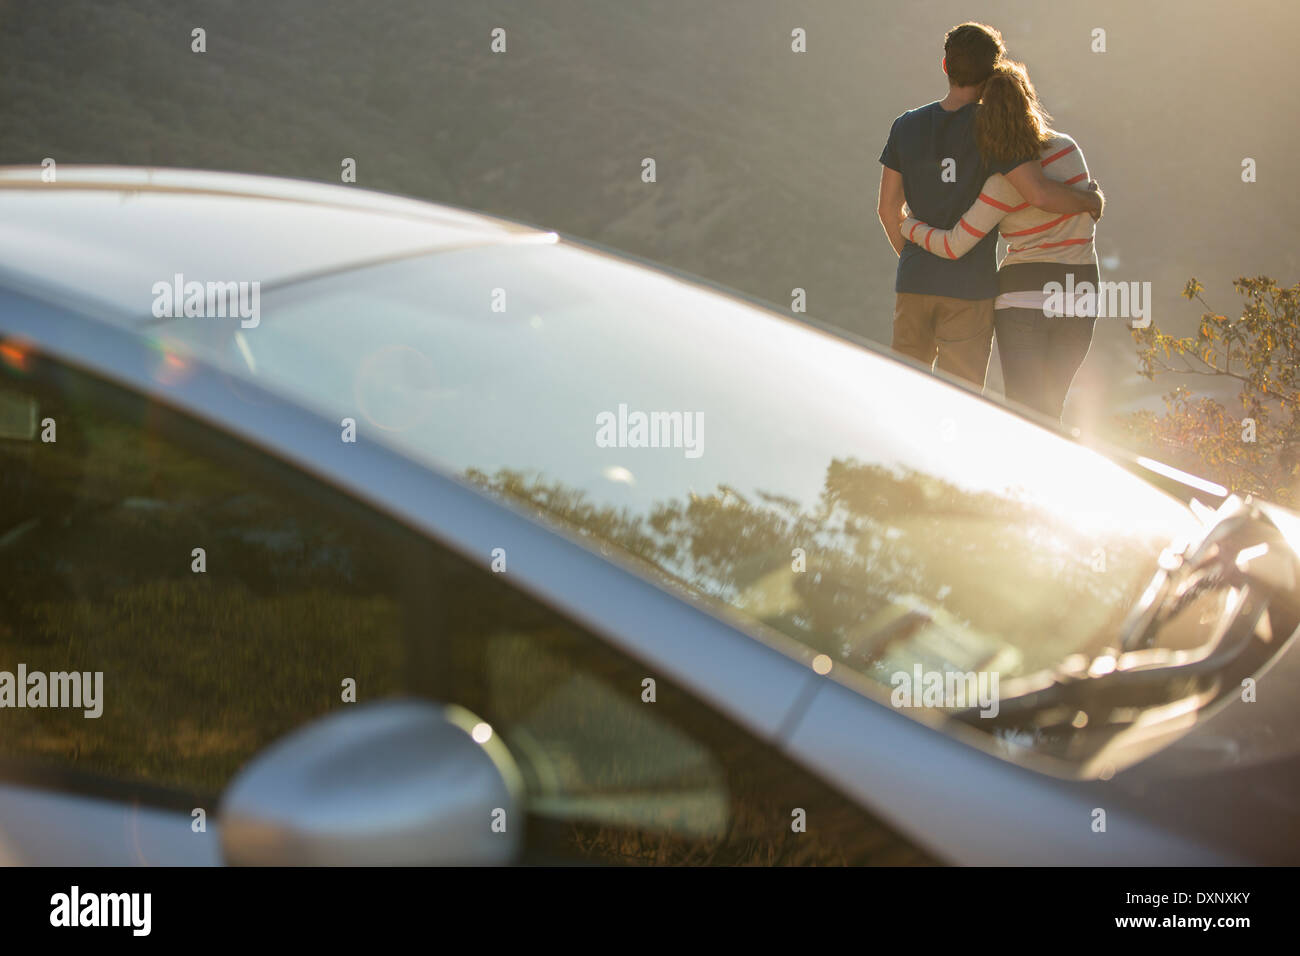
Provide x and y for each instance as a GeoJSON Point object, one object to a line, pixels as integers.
{"type": "Point", "coordinates": [1040, 356]}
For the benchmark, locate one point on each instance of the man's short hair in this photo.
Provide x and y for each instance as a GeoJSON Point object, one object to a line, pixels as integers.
{"type": "Point", "coordinates": [970, 52]}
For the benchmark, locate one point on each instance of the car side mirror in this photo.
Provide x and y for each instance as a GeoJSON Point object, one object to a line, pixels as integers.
{"type": "Point", "coordinates": [395, 783]}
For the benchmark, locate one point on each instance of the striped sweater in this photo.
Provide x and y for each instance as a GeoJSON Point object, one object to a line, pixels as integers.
{"type": "Point", "coordinates": [1042, 244]}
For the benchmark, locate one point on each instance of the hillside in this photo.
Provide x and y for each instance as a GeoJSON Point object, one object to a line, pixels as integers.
{"type": "Point", "coordinates": [766, 159]}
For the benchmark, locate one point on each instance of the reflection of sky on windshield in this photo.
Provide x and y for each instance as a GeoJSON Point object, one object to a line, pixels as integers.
{"type": "Point", "coordinates": [415, 349]}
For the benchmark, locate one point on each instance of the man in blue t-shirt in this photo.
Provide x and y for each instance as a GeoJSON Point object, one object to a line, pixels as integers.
{"type": "Point", "coordinates": [944, 307]}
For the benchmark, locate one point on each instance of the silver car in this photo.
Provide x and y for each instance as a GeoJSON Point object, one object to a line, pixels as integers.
{"type": "Point", "coordinates": [338, 528]}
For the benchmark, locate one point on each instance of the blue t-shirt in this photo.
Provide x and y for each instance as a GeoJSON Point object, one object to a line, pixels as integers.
{"type": "Point", "coordinates": [919, 142]}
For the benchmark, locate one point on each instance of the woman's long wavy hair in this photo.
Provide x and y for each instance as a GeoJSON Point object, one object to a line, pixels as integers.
{"type": "Point", "coordinates": [1011, 123]}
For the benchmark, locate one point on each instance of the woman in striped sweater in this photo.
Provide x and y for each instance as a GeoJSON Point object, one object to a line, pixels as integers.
{"type": "Point", "coordinates": [1040, 351]}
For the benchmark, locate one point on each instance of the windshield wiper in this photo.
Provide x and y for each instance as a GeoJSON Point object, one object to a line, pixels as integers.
{"type": "Point", "coordinates": [1241, 547]}
{"type": "Point", "coordinates": [1242, 551]}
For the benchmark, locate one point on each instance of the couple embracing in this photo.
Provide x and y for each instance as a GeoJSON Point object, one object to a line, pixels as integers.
{"type": "Point", "coordinates": [956, 173]}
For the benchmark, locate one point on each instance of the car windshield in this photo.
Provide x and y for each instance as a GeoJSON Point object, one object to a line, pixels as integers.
{"type": "Point", "coordinates": [871, 512]}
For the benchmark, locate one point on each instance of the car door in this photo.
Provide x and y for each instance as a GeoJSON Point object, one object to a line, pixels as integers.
{"type": "Point", "coordinates": [213, 599]}
{"type": "Point", "coordinates": [165, 613]}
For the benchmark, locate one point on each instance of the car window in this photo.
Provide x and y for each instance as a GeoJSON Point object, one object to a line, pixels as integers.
{"type": "Point", "coordinates": [221, 611]}
{"type": "Point", "coordinates": [822, 491]}
{"type": "Point", "coordinates": [303, 590]}
{"type": "Point", "coordinates": [620, 764]}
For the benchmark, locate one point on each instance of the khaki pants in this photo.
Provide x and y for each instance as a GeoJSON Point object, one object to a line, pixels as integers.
{"type": "Point", "coordinates": [956, 332]}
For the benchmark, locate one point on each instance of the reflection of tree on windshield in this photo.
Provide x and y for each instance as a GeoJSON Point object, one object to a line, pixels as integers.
{"type": "Point", "coordinates": [894, 564]}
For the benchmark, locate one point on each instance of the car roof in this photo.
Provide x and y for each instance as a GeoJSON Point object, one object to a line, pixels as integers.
{"type": "Point", "coordinates": [126, 228]}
